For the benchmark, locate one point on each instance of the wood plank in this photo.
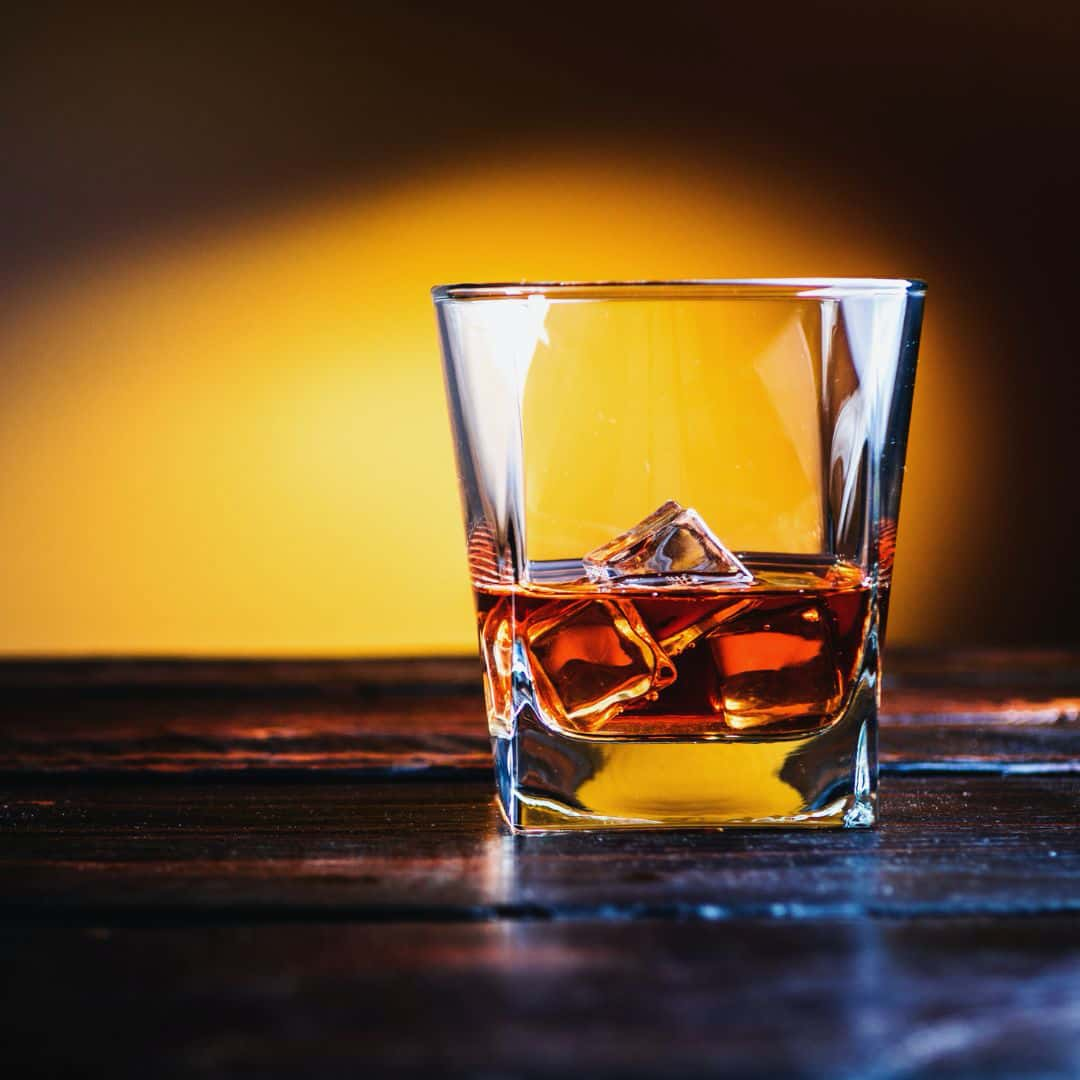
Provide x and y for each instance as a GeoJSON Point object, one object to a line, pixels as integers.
{"type": "Point", "coordinates": [261, 718]}
{"type": "Point", "coordinates": [869, 999]}
{"type": "Point", "coordinates": [168, 732]}
{"type": "Point", "coordinates": [378, 851]}
{"type": "Point", "coordinates": [1041, 668]}
{"type": "Point", "coordinates": [204, 872]}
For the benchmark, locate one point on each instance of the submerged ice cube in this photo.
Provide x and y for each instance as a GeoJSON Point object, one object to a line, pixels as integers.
{"type": "Point", "coordinates": [496, 651]}
{"type": "Point", "coordinates": [682, 629]}
{"type": "Point", "coordinates": [592, 658]}
{"type": "Point", "coordinates": [776, 666]}
{"type": "Point", "coordinates": [672, 542]}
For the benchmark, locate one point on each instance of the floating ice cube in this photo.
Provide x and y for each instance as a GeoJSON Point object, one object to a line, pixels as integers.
{"type": "Point", "coordinates": [776, 666]}
{"type": "Point", "coordinates": [672, 542]}
{"type": "Point", "coordinates": [592, 658]}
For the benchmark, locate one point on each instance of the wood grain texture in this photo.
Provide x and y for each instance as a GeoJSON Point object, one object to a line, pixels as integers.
{"type": "Point", "coordinates": [947, 845]}
{"type": "Point", "coordinates": [839, 999]}
{"type": "Point", "coordinates": [981, 712]}
{"type": "Point", "coordinates": [214, 869]}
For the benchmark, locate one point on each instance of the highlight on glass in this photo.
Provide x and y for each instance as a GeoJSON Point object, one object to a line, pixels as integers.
{"type": "Point", "coordinates": [680, 505]}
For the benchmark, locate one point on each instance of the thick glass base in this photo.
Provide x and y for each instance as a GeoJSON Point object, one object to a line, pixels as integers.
{"type": "Point", "coordinates": [549, 779]}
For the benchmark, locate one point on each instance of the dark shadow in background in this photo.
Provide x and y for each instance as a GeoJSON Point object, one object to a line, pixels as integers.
{"type": "Point", "coordinates": [959, 121]}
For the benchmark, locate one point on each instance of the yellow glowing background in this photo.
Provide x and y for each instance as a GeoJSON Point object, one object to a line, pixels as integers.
{"type": "Point", "coordinates": [235, 441]}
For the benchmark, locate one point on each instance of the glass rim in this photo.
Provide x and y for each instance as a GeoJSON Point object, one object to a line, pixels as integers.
{"type": "Point", "coordinates": [808, 288]}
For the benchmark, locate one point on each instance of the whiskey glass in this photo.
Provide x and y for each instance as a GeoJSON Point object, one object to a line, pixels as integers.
{"type": "Point", "coordinates": [680, 504]}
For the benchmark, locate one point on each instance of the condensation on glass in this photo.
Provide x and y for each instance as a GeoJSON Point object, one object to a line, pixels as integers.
{"type": "Point", "coordinates": [680, 506]}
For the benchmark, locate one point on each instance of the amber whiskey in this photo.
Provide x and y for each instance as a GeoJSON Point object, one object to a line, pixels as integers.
{"type": "Point", "coordinates": [773, 657]}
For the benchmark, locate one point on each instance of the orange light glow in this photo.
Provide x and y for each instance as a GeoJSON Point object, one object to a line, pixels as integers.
{"type": "Point", "coordinates": [237, 442]}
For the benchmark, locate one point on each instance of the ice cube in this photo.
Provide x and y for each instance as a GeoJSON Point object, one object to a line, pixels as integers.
{"type": "Point", "coordinates": [673, 545]}
{"type": "Point", "coordinates": [592, 658]}
{"type": "Point", "coordinates": [776, 666]}
{"type": "Point", "coordinates": [687, 623]}
{"type": "Point", "coordinates": [496, 650]}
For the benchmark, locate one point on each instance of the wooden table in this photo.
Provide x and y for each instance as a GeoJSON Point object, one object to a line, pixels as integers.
{"type": "Point", "coordinates": [212, 869]}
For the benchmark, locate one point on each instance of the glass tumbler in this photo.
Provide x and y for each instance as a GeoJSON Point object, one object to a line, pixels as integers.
{"type": "Point", "coordinates": [680, 504]}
